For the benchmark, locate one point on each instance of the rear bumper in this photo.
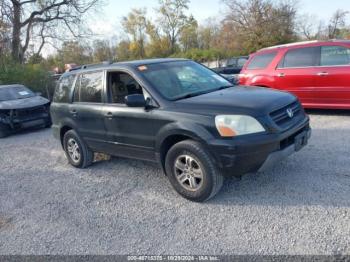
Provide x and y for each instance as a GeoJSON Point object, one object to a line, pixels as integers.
{"type": "Point", "coordinates": [255, 153]}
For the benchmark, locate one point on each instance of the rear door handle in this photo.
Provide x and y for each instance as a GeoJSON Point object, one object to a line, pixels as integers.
{"type": "Point", "coordinates": [109, 115]}
{"type": "Point", "coordinates": [74, 112]}
{"type": "Point", "coordinates": [323, 74]}
{"type": "Point", "coordinates": [281, 75]}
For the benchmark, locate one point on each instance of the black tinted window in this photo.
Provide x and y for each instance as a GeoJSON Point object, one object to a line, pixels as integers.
{"type": "Point", "coordinates": [89, 88]}
{"type": "Point", "coordinates": [302, 57]}
{"type": "Point", "coordinates": [335, 55]}
{"type": "Point", "coordinates": [63, 89]}
{"type": "Point", "coordinates": [261, 61]}
{"type": "Point", "coordinates": [121, 85]}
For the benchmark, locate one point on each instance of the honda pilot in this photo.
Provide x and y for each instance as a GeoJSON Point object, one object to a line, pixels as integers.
{"type": "Point", "coordinates": [176, 112]}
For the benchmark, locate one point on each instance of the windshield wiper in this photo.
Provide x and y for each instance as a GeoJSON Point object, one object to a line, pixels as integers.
{"type": "Point", "coordinates": [189, 95]}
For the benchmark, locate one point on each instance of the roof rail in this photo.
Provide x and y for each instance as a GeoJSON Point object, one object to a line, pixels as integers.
{"type": "Point", "coordinates": [104, 63]}
{"type": "Point", "coordinates": [304, 42]}
{"type": "Point", "coordinates": [291, 44]}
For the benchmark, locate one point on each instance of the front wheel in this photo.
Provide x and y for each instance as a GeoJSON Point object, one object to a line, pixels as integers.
{"type": "Point", "coordinates": [192, 172]}
{"type": "Point", "coordinates": [77, 152]}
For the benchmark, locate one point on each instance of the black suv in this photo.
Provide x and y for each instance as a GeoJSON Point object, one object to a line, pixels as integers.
{"type": "Point", "coordinates": [178, 113]}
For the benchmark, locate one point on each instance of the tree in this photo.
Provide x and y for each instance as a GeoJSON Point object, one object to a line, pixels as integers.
{"type": "Point", "coordinates": [135, 24]}
{"type": "Point", "coordinates": [103, 51]}
{"type": "Point", "coordinates": [189, 34]}
{"type": "Point", "coordinates": [26, 15]}
{"type": "Point", "coordinates": [172, 19]}
{"type": "Point", "coordinates": [260, 23]}
{"type": "Point", "coordinates": [73, 52]}
{"type": "Point", "coordinates": [310, 28]}
{"type": "Point", "coordinates": [336, 23]}
{"type": "Point", "coordinates": [158, 45]}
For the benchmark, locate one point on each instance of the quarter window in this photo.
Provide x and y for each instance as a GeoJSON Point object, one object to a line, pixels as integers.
{"type": "Point", "coordinates": [301, 57]}
{"type": "Point", "coordinates": [63, 89]}
{"type": "Point", "coordinates": [335, 55]}
{"type": "Point", "coordinates": [261, 61]}
{"type": "Point", "coordinates": [89, 88]}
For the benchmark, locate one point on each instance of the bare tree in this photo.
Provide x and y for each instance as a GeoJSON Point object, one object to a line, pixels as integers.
{"type": "Point", "coordinates": [260, 23]}
{"type": "Point", "coordinates": [337, 21]}
{"type": "Point", "coordinates": [26, 16]}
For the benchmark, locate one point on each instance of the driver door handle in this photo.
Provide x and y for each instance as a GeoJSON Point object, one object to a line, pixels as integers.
{"type": "Point", "coordinates": [323, 74]}
{"type": "Point", "coordinates": [281, 75]}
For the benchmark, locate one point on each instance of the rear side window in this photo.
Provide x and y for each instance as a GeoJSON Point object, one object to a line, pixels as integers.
{"type": "Point", "coordinates": [335, 55]}
{"type": "Point", "coordinates": [63, 89]}
{"type": "Point", "coordinates": [89, 88]}
{"type": "Point", "coordinates": [261, 61]}
{"type": "Point", "coordinates": [301, 57]}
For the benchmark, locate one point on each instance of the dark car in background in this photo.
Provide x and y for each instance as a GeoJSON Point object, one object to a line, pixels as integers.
{"type": "Point", "coordinates": [21, 108]}
{"type": "Point", "coordinates": [180, 114]}
{"type": "Point", "coordinates": [229, 68]}
{"type": "Point", "coordinates": [232, 66]}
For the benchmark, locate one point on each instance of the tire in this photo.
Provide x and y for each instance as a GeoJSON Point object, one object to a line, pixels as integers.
{"type": "Point", "coordinates": [195, 159]}
{"type": "Point", "coordinates": [77, 152]}
{"type": "Point", "coordinates": [4, 131]}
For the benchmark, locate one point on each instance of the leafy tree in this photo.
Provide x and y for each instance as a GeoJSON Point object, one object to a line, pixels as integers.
{"type": "Point", "coordinates": [103, 51]}
{"type": "Point", "coordinates": [135, 24]}
{"type": "Point", "coordinates": [189, 34]}
{"type": "Point", "coordinates": [172, 19]}
{"type": "Point", "coordinates": [73, 52]}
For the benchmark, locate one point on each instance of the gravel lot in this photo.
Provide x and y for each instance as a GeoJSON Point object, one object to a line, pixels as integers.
{"type": "Point", "coordinates": [122, 206]}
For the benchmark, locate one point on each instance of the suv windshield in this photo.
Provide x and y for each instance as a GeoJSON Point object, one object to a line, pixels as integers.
{"type": "Point", "coordinates": [14, 92]}
{"type": "Point", "coordinates": [182, 79]}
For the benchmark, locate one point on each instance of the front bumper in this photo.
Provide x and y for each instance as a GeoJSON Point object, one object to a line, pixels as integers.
{"type": "Point", "coordinates": [18, 123]}
{"type": "Point", "coordinates": [255, 153]}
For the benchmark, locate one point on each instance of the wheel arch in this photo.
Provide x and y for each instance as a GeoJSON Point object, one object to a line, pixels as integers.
{"type": "Point", "coordinates": [175, 133]}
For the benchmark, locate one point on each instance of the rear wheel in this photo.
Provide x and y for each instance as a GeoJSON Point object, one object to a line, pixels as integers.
{"type": "Point", "coordinates": [77, 152]}
{"type": "Point", "coordinates": [192, 172]}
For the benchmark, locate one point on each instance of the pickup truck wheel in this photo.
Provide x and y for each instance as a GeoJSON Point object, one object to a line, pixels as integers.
{"type": "Point", "coordinates": [192, 172]}
{"type": "Point", "coordinates": [4, 131]}
{"type": "Point", "coordinates": [77, 152]}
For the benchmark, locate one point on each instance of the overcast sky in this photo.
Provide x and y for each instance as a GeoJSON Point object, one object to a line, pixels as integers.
{"type": "Point", "coordinates": [108, 22]}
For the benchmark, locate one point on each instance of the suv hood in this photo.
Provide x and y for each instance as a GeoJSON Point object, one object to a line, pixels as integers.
{"type": "Point", "coordinates": [23, 103]}
{"type": "Point", "coordinates": [253, 101]}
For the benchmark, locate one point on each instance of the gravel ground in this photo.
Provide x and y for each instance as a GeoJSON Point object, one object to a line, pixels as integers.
{"type": "Point", "coordinates": [302, 206]}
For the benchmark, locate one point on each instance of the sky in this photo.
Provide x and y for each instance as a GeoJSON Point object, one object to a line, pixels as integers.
{"type": "Point", "coordinates": [108, 21]}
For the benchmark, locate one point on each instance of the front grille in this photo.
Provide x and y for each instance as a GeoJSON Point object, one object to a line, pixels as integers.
{"type": "Point", "coordinates": [30, 112]}
{"type": "Point", "coordinates": [281, 116]}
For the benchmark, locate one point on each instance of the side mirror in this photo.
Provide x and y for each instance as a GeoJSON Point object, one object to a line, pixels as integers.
{"type": "Point", "coordinates": [137, 100]}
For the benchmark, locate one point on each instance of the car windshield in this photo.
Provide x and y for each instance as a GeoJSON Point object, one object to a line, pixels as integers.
{"type": "Point", "coordinates": [14, 92]}
{"type": "Point", "coordinates": [182, 79]}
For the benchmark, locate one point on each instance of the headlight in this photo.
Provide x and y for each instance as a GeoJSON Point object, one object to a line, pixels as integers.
{"type": "Point", "coordinates": [237, 125]}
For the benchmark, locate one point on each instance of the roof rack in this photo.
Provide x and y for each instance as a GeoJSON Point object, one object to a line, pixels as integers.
{"type": "Point", "coordinates": [291, 44]}
{"type": "Point", "coordinates": [104, 63]}
{"type": "Point", "coordinates": [304, 42]}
